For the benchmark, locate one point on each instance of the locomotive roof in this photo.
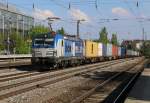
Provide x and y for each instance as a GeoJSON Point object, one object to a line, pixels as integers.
{"type": "Point", "coordinates": [49, 35]}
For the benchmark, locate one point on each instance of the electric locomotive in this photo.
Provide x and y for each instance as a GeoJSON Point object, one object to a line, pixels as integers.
{"type": "Point", "coordinates": [56, 50]}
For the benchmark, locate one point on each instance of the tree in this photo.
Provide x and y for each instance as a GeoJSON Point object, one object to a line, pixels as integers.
{"type": "Point", "coordinates": [145, 50]}
{"type": "Point", "coordinates": [39, 29]}
{"type": "Point", "coordinates": [17, 43]}
{"type": "Point", "coordinates": [103, 36]}
{"type": "Point", "coordinates": [22, 47]}
{"type": "Point", "coordinates": [61, 31]}
{"type": "Point", "coordinates": [1, 42]}
{"type": "Point", "coordinates": [114, 39]}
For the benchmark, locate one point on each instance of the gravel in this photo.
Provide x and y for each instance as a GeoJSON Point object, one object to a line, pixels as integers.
{"type": "Point", "coordinates": [60, 92]}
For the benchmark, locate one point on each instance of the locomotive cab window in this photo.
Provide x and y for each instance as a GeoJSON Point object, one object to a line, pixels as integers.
{"type": "Point", "coordinates": [49, 42]}
{"type": "Point", "coordinates": [38, 42]}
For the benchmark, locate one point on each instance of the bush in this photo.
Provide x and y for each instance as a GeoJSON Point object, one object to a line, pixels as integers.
{"type": "Point", "coordinates": [1, 43]}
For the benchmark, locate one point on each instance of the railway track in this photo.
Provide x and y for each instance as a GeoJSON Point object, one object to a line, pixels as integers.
{"type": "Point", "coordinates": [15, 64]}
{"type": "Point", "coordinates": [21, 87]}
{"type": "Point", "coordinates": [30, 73]}
{"type": "Point", "coordinates": [95, 94]}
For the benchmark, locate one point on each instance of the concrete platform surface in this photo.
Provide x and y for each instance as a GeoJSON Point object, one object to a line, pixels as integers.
{"type": "Point", "coordinates": [140, 93]}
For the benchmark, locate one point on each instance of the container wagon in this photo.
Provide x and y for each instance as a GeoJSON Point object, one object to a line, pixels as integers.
{"type": "Point", "coordinates": [91, 51]}
{"type": "Point", "coordinates": [119, 52]}
{"type": "Point", "coordinates": [114, 52]}
{"type": "Point", "coordinates": [123, 52]}
{"type": "Point", "coordinates": [104, 51]}
{"type": "Point", "coordinates": [129, 53]}
{"type": "Point", "coordinates": [100, 52]}
{"type": "Point", "coordinates": [109, 51]}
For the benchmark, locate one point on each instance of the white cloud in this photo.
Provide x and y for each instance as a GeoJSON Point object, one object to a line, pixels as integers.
{"type": "Point", "coordinates": [143, 16]}
{"type": "Point", "coordinates": [121, 12]}
{"type": "Point", "coordinates": [79, 15]}
{"type": "Point", "coordinates": [42, 14]}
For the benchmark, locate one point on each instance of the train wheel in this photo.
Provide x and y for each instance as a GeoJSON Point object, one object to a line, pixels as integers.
{"type": "Point", "coordinates": [63, 64]}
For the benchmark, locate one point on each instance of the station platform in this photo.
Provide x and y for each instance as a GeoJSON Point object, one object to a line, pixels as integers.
{"type": "Point", "coordinates": [140, 92]}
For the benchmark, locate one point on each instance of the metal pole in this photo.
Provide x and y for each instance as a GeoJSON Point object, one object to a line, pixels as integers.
{"type": "Point", "coordinates": [17, 26]}
{"type": "Point", "coordinates": [29, 36]}
{"type": "Point", "coordinates": [143, 34]}
{"type": "Point", "coordinates": [23, 28]}
{"type": "Point", "coordinates": [8, 39]}
{"type": "Point", "coordinates": [3, 26]}
{"type": "Point", "coordinates": [78, 22]}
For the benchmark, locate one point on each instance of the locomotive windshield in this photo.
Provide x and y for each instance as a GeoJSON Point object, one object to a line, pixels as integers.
{"type": "Point", "coordinates": [38, 41]}
{"type": "Point", "coordinates": [48, 42]}
{"type": "Point", "coordinates": [44, 42]}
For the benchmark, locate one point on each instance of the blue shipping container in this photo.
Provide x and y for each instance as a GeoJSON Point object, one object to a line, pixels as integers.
{"type": "Point", "coordinates": [123, 52]}
{"type": "Point", "coordinates": [104, 49]}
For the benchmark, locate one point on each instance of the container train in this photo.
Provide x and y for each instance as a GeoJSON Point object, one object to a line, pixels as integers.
{"type": "Point", "coordinates": [60, 51]}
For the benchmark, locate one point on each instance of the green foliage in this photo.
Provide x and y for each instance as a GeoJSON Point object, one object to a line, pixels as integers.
{"type": "Point", "coordinates": [22, 46]}
{"type": "Point", "coordinates": [114, 39]}
{"type": "Point", "coordinates": [61, 31]}
{"type": "Point", "coordinates": [18, 43]}
{"type": "Point", "coordinates": [39, 29]}
{"type": "Point", "coordinates": [146, 49]}
{"type": "Point", "coordinates": [103, 36]}
{"type": "Point", "coordinates": [1, 42]}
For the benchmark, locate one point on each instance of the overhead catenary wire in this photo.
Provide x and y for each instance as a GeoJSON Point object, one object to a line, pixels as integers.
{"type": "Point", "coordinates": [59, 4]}
{"type": "Point", "coordinates": [69, 5]}
{"type": "Point", "coordinates": [137, 5]}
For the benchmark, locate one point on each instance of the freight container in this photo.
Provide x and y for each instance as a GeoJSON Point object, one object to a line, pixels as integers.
{"type": "Point", "coordinates": [91, 49]}
{"type": "Point", "coordinates": [109, 50]}
{"type": "Point", "coordinates": [114, 51]}
{"type": "Point", "coordinates": [100, 52]}
{"type": "Point", "coordinates": [119, 51]}
{"type": "Point", "coordinates": [129, 52]}
{"type": "Point", "coordinates": [123, 52]}
{"type": "Point", "coordinates": [104, 50]}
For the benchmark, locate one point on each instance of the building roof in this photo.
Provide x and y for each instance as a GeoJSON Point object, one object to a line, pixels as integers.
{"type": "Point", "coordinates": [12, 8]}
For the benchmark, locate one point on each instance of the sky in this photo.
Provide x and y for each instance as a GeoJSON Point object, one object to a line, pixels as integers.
{"type": "Point", "coordinates": [131, 16]}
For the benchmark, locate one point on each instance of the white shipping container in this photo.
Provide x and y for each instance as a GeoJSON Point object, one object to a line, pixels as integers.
{"type": "Point", "coordinates": [119, 51]}
{"type": "Point", "coordinates": [109, 49]}
{"type": "Point", "coordinates": [100, 51]}
{"type": "Point", "coordinates": [129, 52]}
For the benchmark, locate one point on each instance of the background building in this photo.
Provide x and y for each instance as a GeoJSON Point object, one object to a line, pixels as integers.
{"type": "Point", "coordinates": [133, 44]}
{"type": "Point", "coordinates": [13, 20]}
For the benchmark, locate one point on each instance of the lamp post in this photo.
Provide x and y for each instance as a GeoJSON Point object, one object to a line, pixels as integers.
{"type": "Point", "coordinates": [23, 27]}
{"type": "Point", "coordinates": [3, 26]}
{"type": "Point", "coordinates": [78, 22]}
{"type": "Point", "coordinates": [8, 35]}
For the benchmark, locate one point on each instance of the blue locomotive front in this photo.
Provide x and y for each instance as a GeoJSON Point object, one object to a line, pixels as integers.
{"type": "Point", "coordinates": [57, 50]}
{"type": "Point", "coordinates": [45, 48]}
